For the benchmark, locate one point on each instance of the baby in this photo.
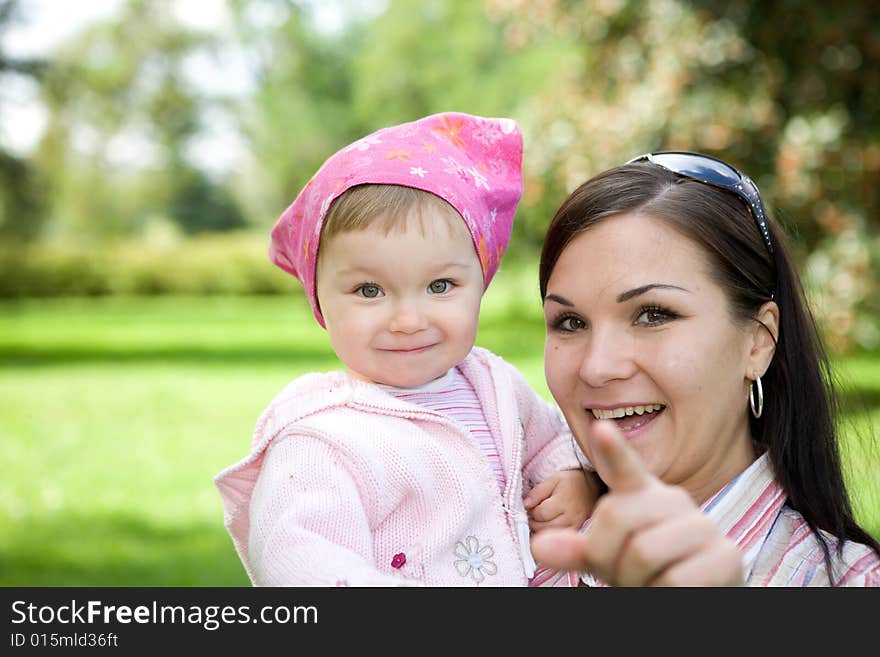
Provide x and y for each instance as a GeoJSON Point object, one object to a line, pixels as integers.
{"type": "Point", "coordinates": [410, 467]}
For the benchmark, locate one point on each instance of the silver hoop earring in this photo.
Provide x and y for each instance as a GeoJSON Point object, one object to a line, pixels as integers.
{"type": "Point", "coordinates": [760, 404]}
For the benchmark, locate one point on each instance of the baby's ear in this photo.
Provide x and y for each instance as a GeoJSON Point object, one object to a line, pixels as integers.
{"type": "Point", "coordinates": [765, 335]}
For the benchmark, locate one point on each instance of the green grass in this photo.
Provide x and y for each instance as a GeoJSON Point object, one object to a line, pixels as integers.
{"type": "Point", "coordinates": [116, 413]}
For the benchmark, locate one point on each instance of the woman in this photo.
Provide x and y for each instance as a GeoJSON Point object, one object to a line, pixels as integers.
{"type": "Point", "coordinates": [682, 353]}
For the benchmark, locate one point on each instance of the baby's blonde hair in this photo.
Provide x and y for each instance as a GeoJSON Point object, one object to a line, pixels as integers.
{"type": "Point", "coordinates": [386, 207]}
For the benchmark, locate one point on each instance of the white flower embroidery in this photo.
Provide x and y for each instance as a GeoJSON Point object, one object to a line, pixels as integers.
{"type": "Point", "coordinates": [474, 560]}
{"type": "Point", "coordinates": [454, 167]}
{"type": "Point", "coordinates": [507, 126]}
{"type": "Point", "coordinates": [417, 171]}
{"type": "Point", "coordinates": [487, 132]}
{"type": "Point", "coordinates": [479, 178]}
{"type": "Point", "coordinates": [407, 132]}
{"type": "Point", "coordinates": [363, 144]}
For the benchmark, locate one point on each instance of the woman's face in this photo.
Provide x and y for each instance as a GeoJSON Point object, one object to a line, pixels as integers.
{"type": "Point", "coordinates": [639, 332]}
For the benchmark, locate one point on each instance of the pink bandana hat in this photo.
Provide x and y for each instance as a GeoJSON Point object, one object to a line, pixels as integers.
{"type": "Point", "coordinates": [471, 162]}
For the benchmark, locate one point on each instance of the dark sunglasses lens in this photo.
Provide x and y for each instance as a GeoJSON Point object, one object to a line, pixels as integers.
{"type": "Point", "coordinates": [720, 174]}
{"type": "Point", "coordinates": [701, 168]}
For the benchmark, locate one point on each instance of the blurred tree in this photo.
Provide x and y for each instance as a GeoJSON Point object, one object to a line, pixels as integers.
{"type": "Point", "coordinates": [788, 91]}
{"type": "Point", "coordinates": [422, 57]}
{"type": "Point", "coordinates": [199, 205]}
{"type": "Point", "coordinates": [22, 189]}
{"type": "Point", "coordinates": [22, 199]}
{"type": "Point", "coordinates": [121, 115]}
{"type": "Point", "coordinates": [301, 111]}
{"type": "Point", "coordinates": [825, 81]}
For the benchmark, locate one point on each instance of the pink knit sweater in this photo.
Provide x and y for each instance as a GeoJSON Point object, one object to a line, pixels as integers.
{"type": "Point", "coordinates": [347, 485]}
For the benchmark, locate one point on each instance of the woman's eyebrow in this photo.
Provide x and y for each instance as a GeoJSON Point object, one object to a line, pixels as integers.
{"type": "Point", "coordinates": [558, 299]}
{"type": "Point", "coordinates": [629, 294]}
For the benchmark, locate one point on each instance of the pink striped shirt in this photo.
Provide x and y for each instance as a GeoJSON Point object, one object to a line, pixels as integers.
{"type": "Point", "coordinates": [452, 395]}
{"type": "Point", "coordinates": [778, 547]}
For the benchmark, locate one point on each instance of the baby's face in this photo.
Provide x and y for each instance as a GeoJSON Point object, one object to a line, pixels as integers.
{"type": "Point", "coordinates": [401, 309]}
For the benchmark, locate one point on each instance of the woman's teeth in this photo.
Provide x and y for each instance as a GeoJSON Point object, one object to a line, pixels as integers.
{"type": "Point", "coordinates": [623, 411]}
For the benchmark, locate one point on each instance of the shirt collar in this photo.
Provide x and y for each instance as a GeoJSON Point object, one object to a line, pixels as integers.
{"type": "Point", "coordinates": [745, 510]}
{"type": "Point", "coordinates": [747, 507]}
{"type": "Point", "coordinates": [436, 385]}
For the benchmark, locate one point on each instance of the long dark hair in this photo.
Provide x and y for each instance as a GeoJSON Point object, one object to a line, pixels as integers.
{"type": "Point", "coordinates": [798, 425]}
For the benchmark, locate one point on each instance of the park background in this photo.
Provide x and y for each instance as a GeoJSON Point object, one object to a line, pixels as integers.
{"type": "Point", "coordinates": [145, 155]}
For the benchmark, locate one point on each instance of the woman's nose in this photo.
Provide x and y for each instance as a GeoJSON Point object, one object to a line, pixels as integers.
{"type": "Point", "coordinates": [607, 356]}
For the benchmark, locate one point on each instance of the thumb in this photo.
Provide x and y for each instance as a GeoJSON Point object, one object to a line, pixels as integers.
{"type": "Point", "coordinates": [564, 549]}
{"type": "Point", "coordinates": [539, 493]}
{"type": "Point", "coordinates": [618, 464]}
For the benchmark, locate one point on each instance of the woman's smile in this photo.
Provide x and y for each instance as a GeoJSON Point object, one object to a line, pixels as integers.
{"type": "Point", "coordinates": [631, 419]}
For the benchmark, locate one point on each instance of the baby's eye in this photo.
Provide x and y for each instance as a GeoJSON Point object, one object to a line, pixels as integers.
{"type": "Point", "coordinates": [369, 291]}
{"type": "Point", "coordinates": [439, 286]}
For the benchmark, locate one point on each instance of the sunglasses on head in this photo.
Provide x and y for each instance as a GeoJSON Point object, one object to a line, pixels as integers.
{"type": "Point", "coordinates": [712, 171]}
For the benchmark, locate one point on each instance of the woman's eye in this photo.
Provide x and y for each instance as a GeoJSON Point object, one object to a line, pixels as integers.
{"type": "Point", "coordinates": [654, 316]}
{"type": "Point", "coordinates": [569, 324]}
{"type": "Point", "coordinates": [439, 286]}
{"type": "Point", "coordinates": [369, 291]}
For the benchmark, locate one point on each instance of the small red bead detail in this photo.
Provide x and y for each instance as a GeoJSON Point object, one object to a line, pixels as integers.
{"type": "Point", "coordinates": [398, 560]}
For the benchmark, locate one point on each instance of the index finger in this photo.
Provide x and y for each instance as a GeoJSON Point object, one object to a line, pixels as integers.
{"type": "Point", "coordinates": [618, 464]}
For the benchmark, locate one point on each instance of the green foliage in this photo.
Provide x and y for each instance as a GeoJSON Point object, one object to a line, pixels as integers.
{"type": "Point", "coordinates": [120, 118]}
{"type": "Point", "coordinates": [786, 90]}
{"type": "Point", "coordinates": [301, 111]}
{"type": "Point", "coordinates": [22, 199]}
{"type": "Point", "coordinates": [199, 204]}
{"type": "Point", "coordinates": [400, 74]}
{"type": "Point", "coordinates": [229, 263]}
{"type": "Point", "coordinates": [22, 188]}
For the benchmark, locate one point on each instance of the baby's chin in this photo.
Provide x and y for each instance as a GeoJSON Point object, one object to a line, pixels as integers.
{"type": "Point", "coordinates": [397, 379]}
{"type": "Point", "coordinates": [407, 381]}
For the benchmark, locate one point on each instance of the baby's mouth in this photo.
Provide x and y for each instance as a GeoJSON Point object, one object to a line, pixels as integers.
{"type": "Point", "coordinates": [629, 417]}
